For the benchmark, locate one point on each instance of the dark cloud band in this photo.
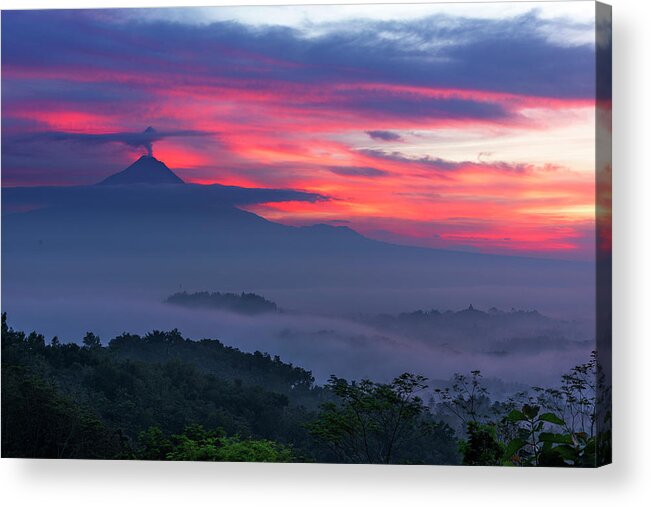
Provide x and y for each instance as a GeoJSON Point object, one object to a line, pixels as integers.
{"type": "Point", "coordinates": [144, 139]}
{"type": "Point", "coordinates": [442, 165]}
{"type": "Point", "coordinates": [383, 135]}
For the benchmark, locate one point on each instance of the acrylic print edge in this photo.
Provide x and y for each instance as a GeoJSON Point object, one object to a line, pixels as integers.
{"type": "Point", "coordinates": [603, 221]}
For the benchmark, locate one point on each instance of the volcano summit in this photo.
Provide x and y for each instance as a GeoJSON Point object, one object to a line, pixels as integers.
{"type": "Point", "coordinates": [145, 170]}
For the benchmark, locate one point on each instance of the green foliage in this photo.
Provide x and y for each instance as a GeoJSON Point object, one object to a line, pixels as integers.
{"type": "Point", "coordinates": [235, 449]}
{"type": "Point", "coordinates": [197, 444]}
{"type": "Point", "coordinates": [382, 423]}
{"type": "Point", "coordinates": [213, 357]}
{"type": "Point", "coordinates": [481, 448]}
{"type": "Point", "coordinates": [566, 434]}
{"type": "Point", "coordinates": [552, 427]}
{"type": "Point", "coordinates": [91, 341]}
{"type": "Point", "coordinates": [153, 444]}
{"type": "Point", "coordinates": [552, 418]}
{"type": "Point", "coordinates": [39, 422]}
{"type": "Point", "coordinates": [540, 443]}
{"type": "Point", "coordinates": [126, 394]}
{"type": "Point", "coordinates": [162, 397]}
{"type": "Point", "coordinates": [528, 447]}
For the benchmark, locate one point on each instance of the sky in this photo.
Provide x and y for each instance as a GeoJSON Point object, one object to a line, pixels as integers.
{"type": "Point", "coordinates": [457, 126]}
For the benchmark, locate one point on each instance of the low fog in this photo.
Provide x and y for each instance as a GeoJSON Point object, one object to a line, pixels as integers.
{"type": "Point", "coordinates": [348, 346]}
{"type": "Point", "coordinates": [104, 258]}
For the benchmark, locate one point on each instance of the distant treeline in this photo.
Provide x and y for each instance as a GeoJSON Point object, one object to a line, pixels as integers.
{"type": "Point", "coordinates": [164, 397]}
{"type": "Point", "coordinates": [470, 317]}
{"type": "Point", "coordinates": [246, 302]}
{"type": "Point", "coordinates": [502, 332]}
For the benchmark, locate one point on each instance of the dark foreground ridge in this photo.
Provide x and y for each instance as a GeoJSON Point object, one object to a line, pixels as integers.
{"type": "Point", "coordinates": [164, 397]}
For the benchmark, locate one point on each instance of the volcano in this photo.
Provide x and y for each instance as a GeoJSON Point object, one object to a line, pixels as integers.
{"type": "Point", "coordinates": [145, 170]}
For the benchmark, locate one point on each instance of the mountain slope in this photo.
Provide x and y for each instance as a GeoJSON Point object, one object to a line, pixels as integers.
{"type": "Point", "coordinates": [146, 169]}
{"type": "Point", "coordinates": [162, 238]}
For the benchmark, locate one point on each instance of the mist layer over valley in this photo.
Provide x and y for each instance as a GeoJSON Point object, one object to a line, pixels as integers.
{"type": "Point", "coordinates": [104, 258]}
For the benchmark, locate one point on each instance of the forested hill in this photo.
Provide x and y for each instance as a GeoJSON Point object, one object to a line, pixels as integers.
{"type": "Point", "coordinates": [159, 380]}
{"type": "Point", "coordinates": [213, 357]}
{"type": "Point", "coordinates": [246, 303]}
{"type": "Point", "coordinates": [162, 397]}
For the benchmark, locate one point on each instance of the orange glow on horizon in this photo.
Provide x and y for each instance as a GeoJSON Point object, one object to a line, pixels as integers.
{"type": "Point", "coordinates": [314, 137]}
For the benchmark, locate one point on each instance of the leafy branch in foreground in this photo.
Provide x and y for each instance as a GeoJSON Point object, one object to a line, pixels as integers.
{"type": "Point", "coordinates": [552, 427]}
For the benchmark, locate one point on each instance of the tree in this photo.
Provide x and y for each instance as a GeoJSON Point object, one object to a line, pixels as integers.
{"type": "Point", "coordinates": [39, 422]}
{"type": "Point", "coordinates": [92, 341]}
{"type": "Point", "coordinates": [481, 448]}
{"type": "Point", "coordinates": [374, 422]}
{"type": "Point", "coordinates": [466, 399]}
{"type": "Point", "coordinates": [36, 342]}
